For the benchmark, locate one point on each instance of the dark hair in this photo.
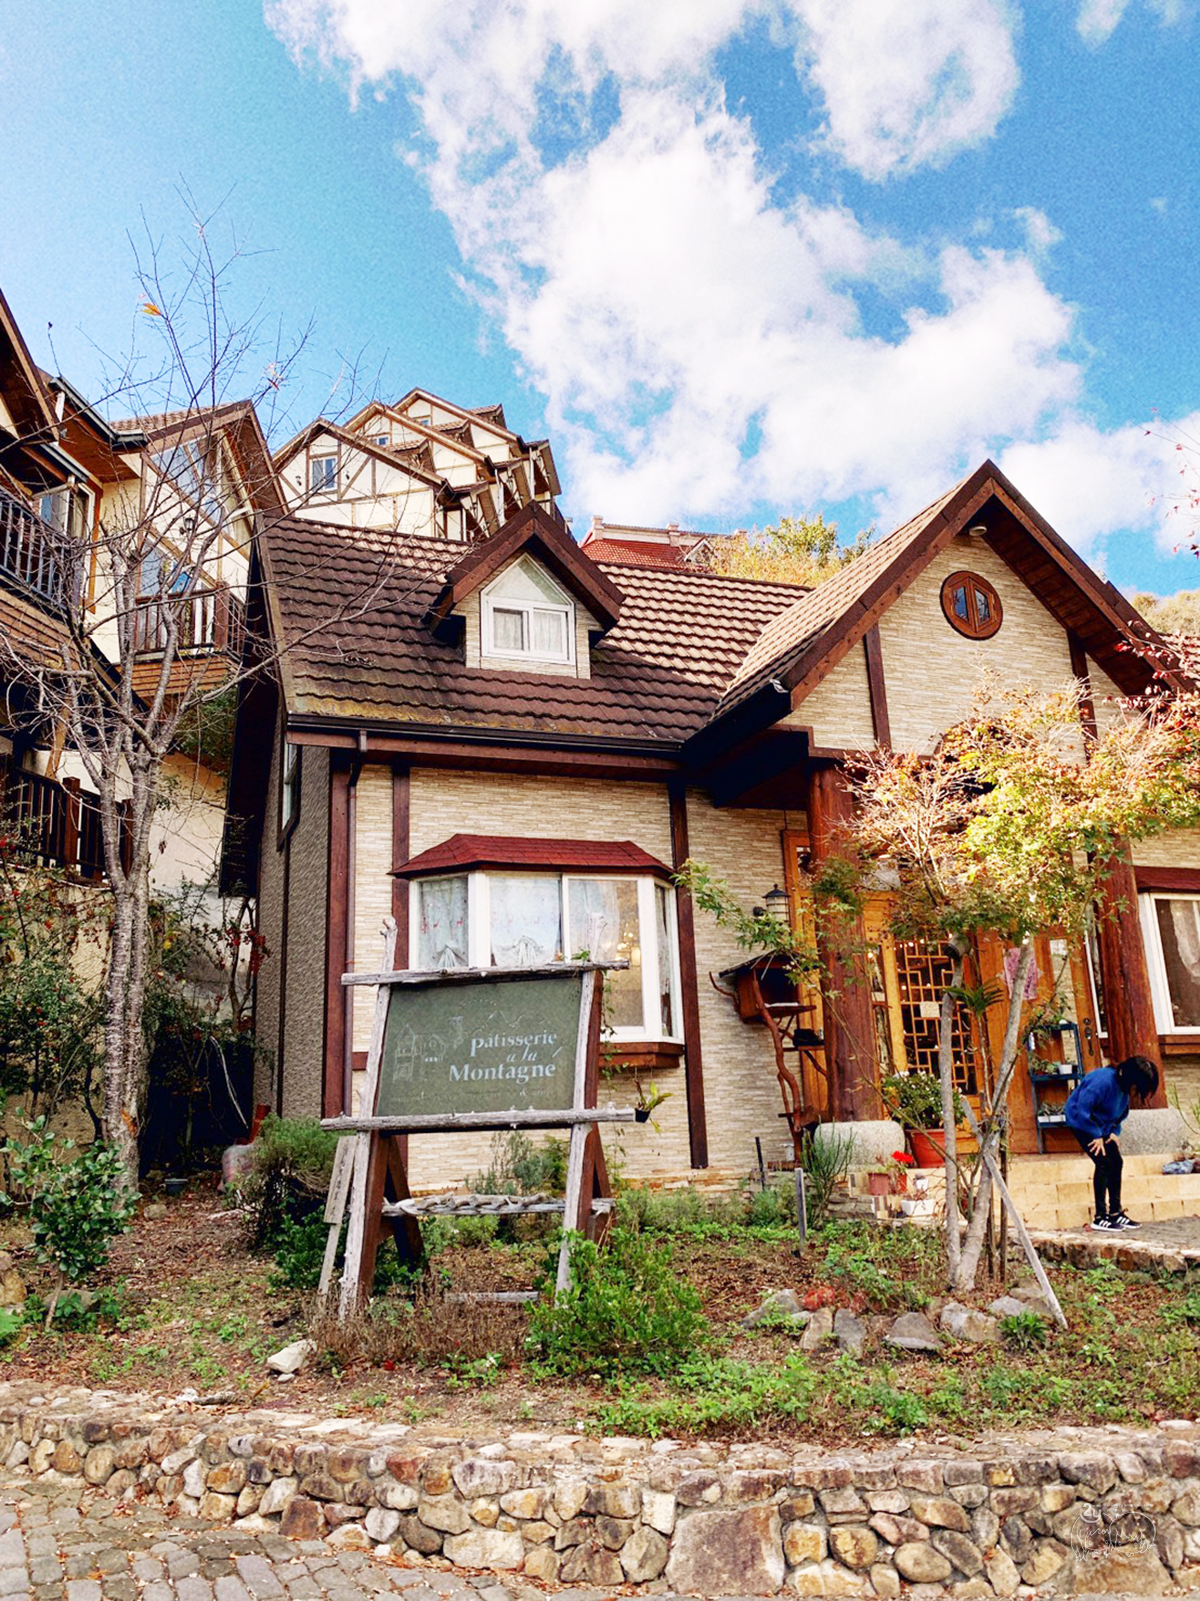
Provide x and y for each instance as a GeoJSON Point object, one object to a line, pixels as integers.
{"type": "Point", "coordinates": [1137, 1075]}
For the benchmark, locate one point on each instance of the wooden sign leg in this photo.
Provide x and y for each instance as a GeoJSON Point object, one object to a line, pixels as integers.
{"type": "Point", "coordinates": [335, 1207]}
{"type": "Point", "coordinates": [571, 1209]}
{"type": "Point", "coordinates": [595, 1187]}
{"type": "Point", "coordinates": [406, 1231]}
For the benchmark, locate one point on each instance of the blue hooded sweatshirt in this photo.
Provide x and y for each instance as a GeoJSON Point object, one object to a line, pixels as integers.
{"type": "Point", "coordinates": [1097, 1106]}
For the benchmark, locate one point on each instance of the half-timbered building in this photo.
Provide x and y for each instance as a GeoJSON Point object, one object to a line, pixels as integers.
{"type": "Point", "coordinates": [511, 748]}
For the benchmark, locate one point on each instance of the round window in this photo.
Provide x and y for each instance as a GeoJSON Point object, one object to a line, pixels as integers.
{"type": "Point", "coordinates": [971, 605]}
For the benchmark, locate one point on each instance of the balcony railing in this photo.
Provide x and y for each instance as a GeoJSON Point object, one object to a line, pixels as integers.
{"type": "Point", "coordinates": [206, 620]}
{"type": "Point", "coordinates": [27, 551]}
{"type": "Point", "coordinates": [55, 825]}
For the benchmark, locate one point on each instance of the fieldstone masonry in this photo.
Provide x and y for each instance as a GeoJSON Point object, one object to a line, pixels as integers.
{"type": "Point", "coordinates": [1073, 1512]}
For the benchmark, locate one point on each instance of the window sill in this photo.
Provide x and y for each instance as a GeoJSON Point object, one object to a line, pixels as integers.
{"type": "Point", "coordinates": [1180, 1044]}
{"type": "Point", "coordinates": [641, 1056]}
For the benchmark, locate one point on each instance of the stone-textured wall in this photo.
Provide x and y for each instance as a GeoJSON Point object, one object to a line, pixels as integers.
{"type": "Point", "coordinates": [1073, 1512]}
{"type": "Point", "coordinates": [932, 672]}
{"type": "Point", "coordinates": [270, 923]}
{"type": "Point", "coordinates": [303, 1065]}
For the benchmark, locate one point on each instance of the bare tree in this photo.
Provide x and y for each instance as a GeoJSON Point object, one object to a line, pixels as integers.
{"type": "Point", "coordinates": [171, 548]}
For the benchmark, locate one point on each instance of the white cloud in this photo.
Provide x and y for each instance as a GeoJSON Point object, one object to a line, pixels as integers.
{"type": "Point", "coordinates": [698, 339]}
{"type": "Point", "coordinates": [907, 82]}
{"type": "Point", "coordinates": [1040, 233]}
{"type": "Point", "coordinates": [1089, 482]}
{"type": "Point", "coordinates": [1098, 19]}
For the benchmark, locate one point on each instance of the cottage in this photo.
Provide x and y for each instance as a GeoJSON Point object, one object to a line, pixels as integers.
{"type": "Point", "coordinates": [510, 747]}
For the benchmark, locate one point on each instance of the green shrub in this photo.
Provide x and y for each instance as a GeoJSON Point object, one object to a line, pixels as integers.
{"type": "Point", "coordinates": [78, 1204]}
{"type": "Point", "coordinates": [825, 1161]}
{"type": "Point", "coordinates": [519, 1167]}
{"type": "Point", "coordinates": [289, 1181]}
{"type": "Point", "coordinates": [710, 1393]}
{"type": "Point", "coordinates": [627, 1311]}
{"type": "Point", "coordinates": [299, 1249]}
{"type": "Point", "coordinates": [1024, 1330]}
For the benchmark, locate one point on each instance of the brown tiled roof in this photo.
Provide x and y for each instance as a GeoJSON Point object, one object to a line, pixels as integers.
{"type": "Point", "coordinates": [157, 421]}
{"type": "Point", "coordinates": [634, 553]}
{"type": "Point", "coordinates": [463, 851]}
{"type": "Point", "coordinates": [351, 604]}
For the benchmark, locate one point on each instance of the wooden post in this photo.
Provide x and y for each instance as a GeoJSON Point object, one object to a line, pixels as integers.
{"type": "Point", "coordinates": [689, 987]}
{"type": "Point", "coordinates": [1129, 1004]}
{"type": "Point", "coordinates": [850, 1061]}
{"type": "Point", "coordinates": [338, 1000]}
{"type": "Point", "coordinates": [356, 1232]}
{"type": "Point", "coordinates": [71, 787]}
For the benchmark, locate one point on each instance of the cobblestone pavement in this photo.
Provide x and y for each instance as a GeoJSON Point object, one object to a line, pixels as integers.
{"type": "Point", "coordinates": [61, 1542]}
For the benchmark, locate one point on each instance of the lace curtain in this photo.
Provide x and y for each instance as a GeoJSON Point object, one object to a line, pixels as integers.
{"type": "Point", "coordinates": [526, 920]}
{"type": "Point", "coordinates": [1179, 928]}
{"type": "Point", "coordinates": [442, 924]}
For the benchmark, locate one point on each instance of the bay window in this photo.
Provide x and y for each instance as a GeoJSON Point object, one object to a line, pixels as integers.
{"type": "Point", "coordinates": [1171, 931]}
{"type": "Point", "coordinates": [514, 919]}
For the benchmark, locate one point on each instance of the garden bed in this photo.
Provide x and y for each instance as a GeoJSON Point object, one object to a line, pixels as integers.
{"type": "Point", "coordinates": [185, 1306]}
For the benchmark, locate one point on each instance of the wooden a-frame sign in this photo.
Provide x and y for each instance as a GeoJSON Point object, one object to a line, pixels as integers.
{"type": "Point", "coordinates": [462, 1051]}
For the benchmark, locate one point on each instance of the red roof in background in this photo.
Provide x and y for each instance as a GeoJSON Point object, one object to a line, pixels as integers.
{"type": "Point", "coordinates": [636, 553]}
{"type": "Point", "coordinates": [463, 851]}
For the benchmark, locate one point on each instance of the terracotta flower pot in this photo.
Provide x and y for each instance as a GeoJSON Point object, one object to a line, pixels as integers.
{"type": "Point", "coordinates": [899, 1183]}
{"type": "Point", "coordinates": [923, 1148]}
{"type": "Point", "coordinates": [877, 1183]}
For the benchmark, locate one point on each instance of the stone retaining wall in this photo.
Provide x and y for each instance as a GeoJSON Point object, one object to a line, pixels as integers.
{"type": "Point", "coordinates": [1077, 1511]}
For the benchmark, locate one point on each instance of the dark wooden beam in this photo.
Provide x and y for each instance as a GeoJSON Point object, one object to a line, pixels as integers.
{"type": "Point", "coordinates": [494, 756]}
{"type": "Point", "coordinates": [876, 687]}
{"type": "Point", "coordinates": [1087, 705]}
{"type": "Point", "coordinates": [337, 941]}
{"type": "Point", "coordinates": [688, 983]}
{"type": "Point", "coordinates": [1164, 880]}
{"type": "Point", "coordinates": [1128, 1002]}
{"type": "Point", "coordinates": [850, 1062]}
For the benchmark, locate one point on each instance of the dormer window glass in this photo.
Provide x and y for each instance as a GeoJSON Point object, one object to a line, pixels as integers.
{"type": "Point", "coordinates": [527, 616]}
{"type": "Point", "coordinates": [322, 474]}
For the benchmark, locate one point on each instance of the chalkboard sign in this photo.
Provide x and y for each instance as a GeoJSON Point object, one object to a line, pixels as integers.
{"type": "Point", "coordinates": [491, 1046]}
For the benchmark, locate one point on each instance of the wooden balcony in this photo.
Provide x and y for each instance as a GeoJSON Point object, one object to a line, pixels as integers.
{"type": "Point", "coordinates": [27, 552]}
{"type": "Point", "coordinates": [206, 619]}
{"type": "Point", "coordinates": [55, 825]}
{"type": "Point", "coordinates": [210, 633]}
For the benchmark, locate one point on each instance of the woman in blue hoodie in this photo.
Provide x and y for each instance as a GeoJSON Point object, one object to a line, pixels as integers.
{"type": "Point", "coordinates": [1095, 1110]}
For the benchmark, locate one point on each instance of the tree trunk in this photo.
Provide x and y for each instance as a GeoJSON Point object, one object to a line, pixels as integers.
{"type": "Point", "coordinates": [963, 1280]}
{"type": "Point", "coordinates": [949, 1122]}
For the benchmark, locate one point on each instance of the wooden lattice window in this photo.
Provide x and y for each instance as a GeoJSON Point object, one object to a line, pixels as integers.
{"type": "Point", "coordinates": [922, 973]}
{"type": "Point", "coordinates": [971, 605]}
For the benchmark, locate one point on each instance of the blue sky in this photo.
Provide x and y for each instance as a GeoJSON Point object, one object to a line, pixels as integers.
{"type": "Point", "coordinates": [736, 257]}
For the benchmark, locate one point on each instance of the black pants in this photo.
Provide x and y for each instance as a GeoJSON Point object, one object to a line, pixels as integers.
{"type": "Point", "coordinates": [1106, 1175]}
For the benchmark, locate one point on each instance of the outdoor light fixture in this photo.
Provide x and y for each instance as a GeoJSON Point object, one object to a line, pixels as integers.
{"type": "Point", "coordinates": [978, 532]}
{"type": "Point", "coordinates": [776, 900]}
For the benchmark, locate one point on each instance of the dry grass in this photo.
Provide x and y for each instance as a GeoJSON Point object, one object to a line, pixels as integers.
{"type": "Point", "coordinates": [435, 1330]}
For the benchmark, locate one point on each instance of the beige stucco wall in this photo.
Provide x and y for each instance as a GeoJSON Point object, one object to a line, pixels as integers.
{"type": "Point", "coordinates": [932, 672]}
{"type": "Point", "coordinates": [838, 710]}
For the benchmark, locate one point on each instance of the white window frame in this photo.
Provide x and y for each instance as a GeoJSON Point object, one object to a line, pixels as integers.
{"type": "Point", "coordinates": [1160, 989]}
{"type": "Point", "coordinates": [491, 603]}
{"type": "Point", "coordinates": [327, 486]}
{"type": "Point", "coordinates": [479, 930]}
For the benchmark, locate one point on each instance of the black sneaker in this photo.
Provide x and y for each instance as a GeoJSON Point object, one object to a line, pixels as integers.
{"type": "Point", "coordinates": [1122, 1220]}
{"type": "Point", "coordinates": [1103, 1225]}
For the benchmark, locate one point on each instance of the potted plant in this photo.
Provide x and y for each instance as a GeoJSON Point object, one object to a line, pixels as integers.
{"type": "Point", "coordinates": [915, 1101]}
{"type": "Point", "coordinates": [647, 1101]}
{"type": "Point", "coordinates": [879, 1179]}
{"type": "Point", "coordinates": [898, 1168]}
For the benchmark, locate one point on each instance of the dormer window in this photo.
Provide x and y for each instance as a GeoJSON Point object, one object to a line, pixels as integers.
{"type": "Point", "coordinates": [528, 617]}
{"type": "Point", "coordinates": [322, 474]}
